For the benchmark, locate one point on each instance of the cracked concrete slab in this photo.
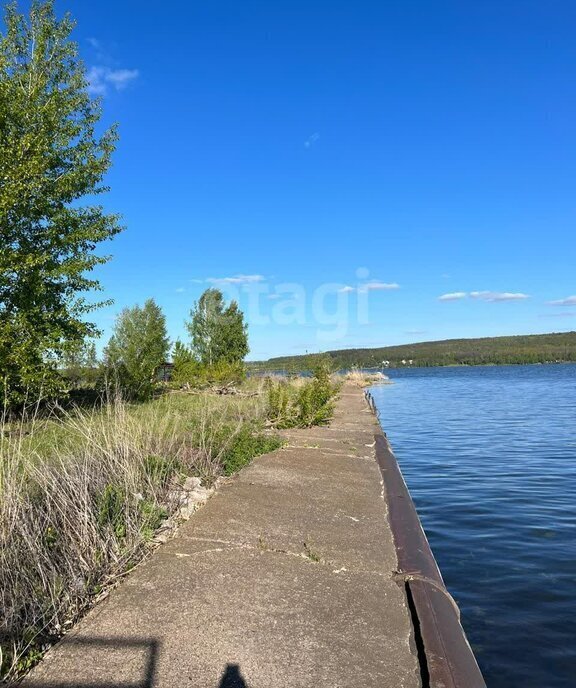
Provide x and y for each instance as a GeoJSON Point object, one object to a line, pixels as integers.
{"type": "Point", "coordinates": [283, 579]}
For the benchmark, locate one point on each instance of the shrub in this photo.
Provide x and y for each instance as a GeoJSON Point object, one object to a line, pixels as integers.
{"type": "Point", "coordinates": [301, 402]}
{"type": "Point", "coordinates": [315, 405]}
{"type": "Point", "coordinates": [282, 410]}
{"type": "Point", "coordinates": [199, 376]}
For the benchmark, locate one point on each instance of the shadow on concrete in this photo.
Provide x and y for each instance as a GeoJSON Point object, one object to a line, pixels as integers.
{"type": "Point", "coordinates": [231, 678]}
{"type": "Point", "coordinates": [147, 680]}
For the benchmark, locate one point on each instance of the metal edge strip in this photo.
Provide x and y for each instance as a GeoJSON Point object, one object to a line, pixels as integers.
{"type": "Point", "coordinates": [448, 657]}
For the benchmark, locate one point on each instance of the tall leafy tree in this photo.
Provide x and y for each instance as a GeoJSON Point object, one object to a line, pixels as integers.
{"type": "Point", "coordinates": [138, 346]}
{"type": "Point", "coordinates": [203, 327]}
{"type": "Point", "coordinates": [232, 344]}
{"type": "Point", "coordinates": [218, 333]}
{"type": "Point", "coordinates": [51, 159]}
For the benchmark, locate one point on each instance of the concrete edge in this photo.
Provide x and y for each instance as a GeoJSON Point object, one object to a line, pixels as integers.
{"type": "Point", "coordinates": [446, 658]}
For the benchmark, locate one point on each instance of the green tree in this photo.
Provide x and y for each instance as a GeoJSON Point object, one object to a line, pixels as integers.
{"type": "Point", "coordinates": [218, 334]}
{"type": "Point", "coordinates": [181, 354]}
{"type": "Point", "coordinates": [186, 367]}
{"type": "Point", "coordinates": [138, 346]}
{"type": "Point", "coordinates": [51, 158]}
{"type": "Point", "coordinates": [79, 363]}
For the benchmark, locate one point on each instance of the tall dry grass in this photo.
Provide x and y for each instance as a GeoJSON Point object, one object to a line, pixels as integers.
{"type": "Point", "coordinates": [362, 378]}
{"type": "Point", "coordinates": [81, 495]}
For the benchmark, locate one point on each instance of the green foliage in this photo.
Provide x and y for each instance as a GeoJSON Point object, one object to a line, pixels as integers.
{"type": "Point", "coordinates": [282, 411]}
{"type": "Point", "coordinates": [182, 354]}
{"type": "Point", "coordinates": [159, 470]}
{"type": "Point", "coordinates": [301, 403]}
{"type": "Point", "coordinates": [138, 346]}
{"type": "Point", "coordinates": [187, 373]}
{"type": "Point", "coordinates": [320, 366]}
{"type": "Point", "coordinates": [225, 373]}
{"type": "Point", "coordinates": [51, 157]}
{"type": "Point", "coordinates": [314, 403]}
{"type": "Point", "coordinates": [111, 509]}
{"type": "Point", "coordinates": [311, 554]}
{"type": "Point", "coordinates": [243, 447]}
{"type": "Point", "coordinates": [188, 370]}
{"type": "Point", "coordinates": [151, 515]}
{"type": "Point", "coordinates": [218, 333]}
{"type": "Point", "coordinates": [232, 342]}
{"type": "Point", "coordinates": [79, 364]}
{"type": "Point", "coordinates": [536, 348]}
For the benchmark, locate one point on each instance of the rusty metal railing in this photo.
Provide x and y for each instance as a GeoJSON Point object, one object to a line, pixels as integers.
{"type": "Point", "coordinates": [446, 658]}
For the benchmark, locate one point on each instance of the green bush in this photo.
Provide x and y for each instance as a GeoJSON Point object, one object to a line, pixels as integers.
{"type": "Point", "coordinates": [301, 403]}
{"type": "Point", "coordinates": [196, 375]}
{"type": "Point", "coordinates": [282, 407]}
{"type": "Point", "coordinates": [186, 372]}
{"type": "Point", "coordinates": [314, 403]}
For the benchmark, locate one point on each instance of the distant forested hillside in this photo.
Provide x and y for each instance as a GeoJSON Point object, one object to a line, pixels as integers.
{"type": "Point", "coordinates": [534, 348]}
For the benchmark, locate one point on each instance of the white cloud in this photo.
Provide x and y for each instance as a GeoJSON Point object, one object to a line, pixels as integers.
{"type": "Point", "coordinates": [379, 286]}
{"type": "Point", "coordinates": [491, 296]}
{"type": "Point", "coordinates": [311, 140]}
{"type": "Point", "coordinates": [415, 332]}
{"type": "Point", "coordinates": [237, 279]}
{"type": "Point", "coordinates": [180, 290]}
{"type": "Point", "coordinates": [346, 289]}
{"type": "Point", "coordinates": [453, 296]}
{"type": "Point", "coordinates": [558, 315]}
{"type": "Point", "coordinates": [100, 78]}
{"type": "Point", "coordinates": [495, 296]}
{"type": "Point", "coordinates": [568, 301]}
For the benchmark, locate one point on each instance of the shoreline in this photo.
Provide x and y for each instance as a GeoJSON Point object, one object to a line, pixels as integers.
{"type": "Point", "coordinates": [445, 655]}
{"type": "Point", "coordinates": [282, 562]}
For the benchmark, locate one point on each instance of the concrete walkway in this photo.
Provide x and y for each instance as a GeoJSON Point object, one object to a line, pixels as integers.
{"type": "Point", "coordinates": [284, 579]}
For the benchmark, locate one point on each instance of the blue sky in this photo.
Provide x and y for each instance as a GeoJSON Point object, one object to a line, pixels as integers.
{"type": "Point", "coordinates": [374, 155]}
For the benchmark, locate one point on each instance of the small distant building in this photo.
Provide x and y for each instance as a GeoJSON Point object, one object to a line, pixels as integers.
{"type": "Point", "coordinates": [403, 361]}
{"type": "Point", "coordinates": [164, 372]}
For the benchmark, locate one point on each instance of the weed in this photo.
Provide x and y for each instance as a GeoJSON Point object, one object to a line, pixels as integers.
{"type": "Point", "coordinates": [301, 403]}
{"type": "Point", "coordinates": [311, 554]}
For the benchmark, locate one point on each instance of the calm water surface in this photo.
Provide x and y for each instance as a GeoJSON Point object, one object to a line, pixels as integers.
{"type": "Point", "coordinates": [489, 455]}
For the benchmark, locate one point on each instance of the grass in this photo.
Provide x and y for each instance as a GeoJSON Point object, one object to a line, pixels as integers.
{"type": "Point", "coordinates": [83, 492]}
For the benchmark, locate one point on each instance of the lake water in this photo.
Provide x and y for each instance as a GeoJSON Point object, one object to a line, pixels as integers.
{"type": "Point", "coordinates": [489, 456]}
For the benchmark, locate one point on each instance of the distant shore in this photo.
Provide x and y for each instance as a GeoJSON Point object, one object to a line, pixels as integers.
{"type": "Point", "coordinates": [539, 349]}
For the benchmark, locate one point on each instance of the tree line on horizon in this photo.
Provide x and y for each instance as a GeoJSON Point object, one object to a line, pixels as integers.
{"type": "Point", "coordinates": [509, 350]}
